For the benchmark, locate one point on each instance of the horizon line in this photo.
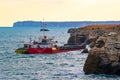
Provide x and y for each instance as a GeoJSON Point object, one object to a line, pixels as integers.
{"type": "Point", "coordinates": [64, 21]}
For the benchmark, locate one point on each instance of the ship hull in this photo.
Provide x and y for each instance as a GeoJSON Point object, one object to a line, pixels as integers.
{"type": "Point", "coordinates": [39, 51]}
{"type": "Point", "coordinates": [48, 50]}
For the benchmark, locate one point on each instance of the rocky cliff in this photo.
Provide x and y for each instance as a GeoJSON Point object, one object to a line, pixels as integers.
{"type": "Point", "coordinates": [104, 56]}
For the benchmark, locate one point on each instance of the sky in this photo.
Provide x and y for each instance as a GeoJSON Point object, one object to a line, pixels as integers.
{"type": "Point", "coordinates": [58, 10]}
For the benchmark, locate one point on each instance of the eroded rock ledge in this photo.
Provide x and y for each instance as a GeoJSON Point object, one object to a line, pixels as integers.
{"type": "Point", "coordinates": [91, 32]}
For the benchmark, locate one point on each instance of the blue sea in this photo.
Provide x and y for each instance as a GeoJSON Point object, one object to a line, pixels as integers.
{"type": "Point", "coordinates": [62, 66]}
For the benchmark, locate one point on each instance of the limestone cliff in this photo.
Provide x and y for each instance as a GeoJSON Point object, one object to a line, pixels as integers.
{"type": "Point", "coordinates": [104, 59]}
{"type": "Point", "coordinates": [104, 56]}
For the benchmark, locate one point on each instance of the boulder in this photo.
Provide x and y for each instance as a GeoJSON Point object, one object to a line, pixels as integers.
{"type": "Point", "coordinates": [97, 61]}
{"type": "Point", "coordinates": [100, 62]}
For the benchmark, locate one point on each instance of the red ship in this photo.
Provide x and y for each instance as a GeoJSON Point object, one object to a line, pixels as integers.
{"type": "Point", "coordinates": [47, 46]}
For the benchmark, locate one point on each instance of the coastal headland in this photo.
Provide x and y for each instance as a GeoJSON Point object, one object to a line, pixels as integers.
{"type": "Point", "coordinates": [60, 23]}
{"type": "Point", "coordinates": [104, 40]}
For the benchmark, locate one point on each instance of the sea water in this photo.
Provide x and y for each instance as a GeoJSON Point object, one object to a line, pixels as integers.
{"type": "Point", "coordinates": [61, 66]}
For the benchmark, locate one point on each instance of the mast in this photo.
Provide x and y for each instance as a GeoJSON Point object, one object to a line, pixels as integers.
{"type": "Point", "coordinates": [75, 35]}
{"type": "Point", "coordinates": [30, 39]}
{"type": "Point", "coordinates": [43, 29]}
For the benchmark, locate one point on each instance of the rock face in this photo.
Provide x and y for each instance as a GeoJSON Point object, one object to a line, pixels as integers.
{"type": "Point", "coordinates": [104, 57]}
{"type": "Point", "coordinates": [77, 39]}
{"type": "Point", "coordinates": [104, 40]}
{"type": "Point", "coordinates": [97, 62]}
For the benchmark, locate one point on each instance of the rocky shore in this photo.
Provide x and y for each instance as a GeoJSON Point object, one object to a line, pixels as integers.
{"type": "Point", "coordinates": [104, 40]}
